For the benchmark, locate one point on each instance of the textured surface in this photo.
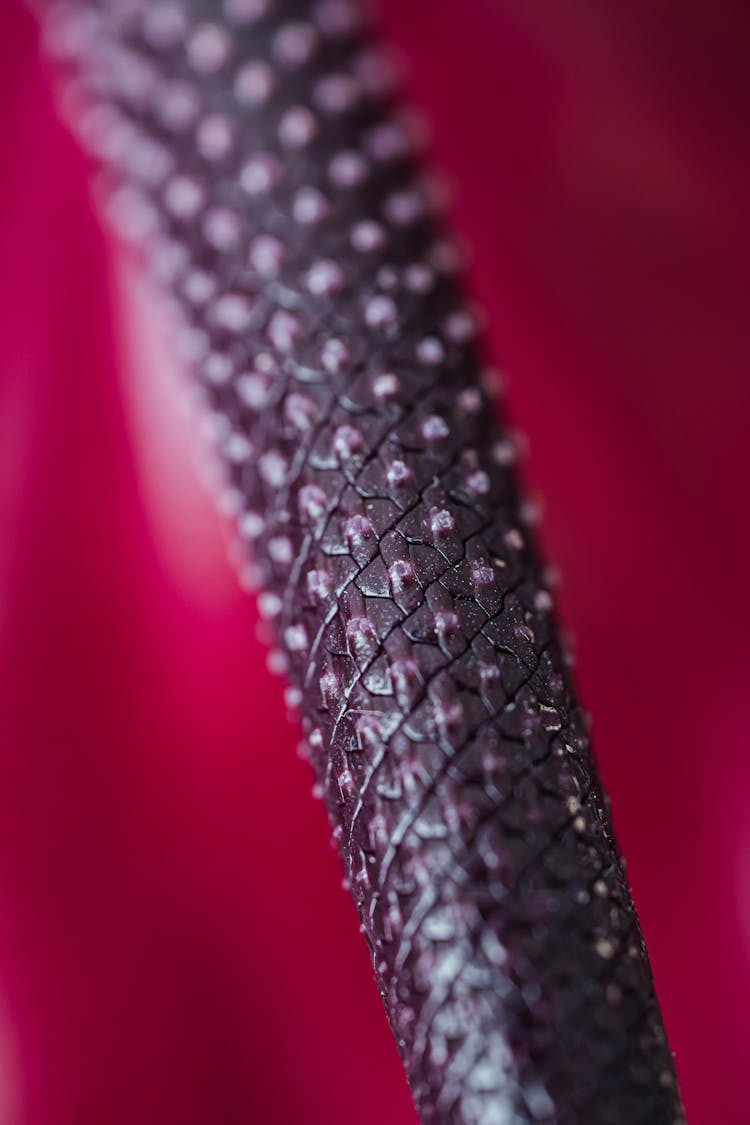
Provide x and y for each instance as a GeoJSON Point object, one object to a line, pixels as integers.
{"type": "Point", "coordinates": [342, 389]}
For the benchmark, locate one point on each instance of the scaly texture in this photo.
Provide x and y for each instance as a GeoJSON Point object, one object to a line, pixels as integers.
{"type": "Point", "coordinates": [255, 160]}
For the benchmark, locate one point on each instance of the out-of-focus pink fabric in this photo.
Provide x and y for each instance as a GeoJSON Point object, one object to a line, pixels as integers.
{"type": "Point", "coordinates": [167, 952]}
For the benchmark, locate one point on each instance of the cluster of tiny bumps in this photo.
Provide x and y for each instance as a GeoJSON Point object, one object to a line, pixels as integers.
{"type": "Point", "coordinates": [251, 151]}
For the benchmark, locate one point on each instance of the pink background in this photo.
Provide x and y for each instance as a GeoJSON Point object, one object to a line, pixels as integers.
{"type": "Point", "coordinates": [166, 953]}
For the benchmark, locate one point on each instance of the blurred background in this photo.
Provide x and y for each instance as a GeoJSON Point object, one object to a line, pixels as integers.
{"type": "Point", "coordinates": [166, 954]}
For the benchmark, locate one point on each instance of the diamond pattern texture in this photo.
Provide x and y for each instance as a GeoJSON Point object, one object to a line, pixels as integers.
{"type": "Point", "coordinates": [253, 153]}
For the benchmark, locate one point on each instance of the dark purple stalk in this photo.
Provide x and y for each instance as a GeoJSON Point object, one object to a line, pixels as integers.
{"type": "Point", "coordinates": [276, 200]}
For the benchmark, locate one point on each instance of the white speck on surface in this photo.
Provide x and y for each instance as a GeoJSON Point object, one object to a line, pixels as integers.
{"type": "Point", "coordinates": [434, 429]}
{"type": "Point", "coordinates": [283, 330]}
{"type": "Point", "coordinates": [222, 228]}
{"type": "Point", "coordinates": [208, 48]}
{"type": "Point", "coordinates": [430, 351]}
{"type": "Point", "coordinates": [347, 169]}
{"type": "Point", "coordinates": [266, 255]}
{"type": "Point", "coordinates": [297, 128]}
{"type": "Point", "coordinates": [294, 44]}
{"type": "Point", "coordinates": [214, 137]}
{"type": "Point", "coordinates": [273, 468]}
{"type": "Point", "coordinates": [324, 278]}
{"type": "Point", "coordinates": [260, 173]}
{"type": "Point", "coordinates": [380, 312]}
{"type": "Point", "coordinates": [336, 93]}
{"type": "Point", "coordinates": [368, 236]}
{"type": "Point", "coordinates": [183, 197]}
{"type": "Point", "coordinates": [245, 12]}
{"type": "Point", "coordinates": [233, 312]}
{"type": "Point", "coordinates": [254, 83]}
{"type": "Point", "coordinates": [309, 207]}
{"type": "Point", "coordinates": [386, 385]}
